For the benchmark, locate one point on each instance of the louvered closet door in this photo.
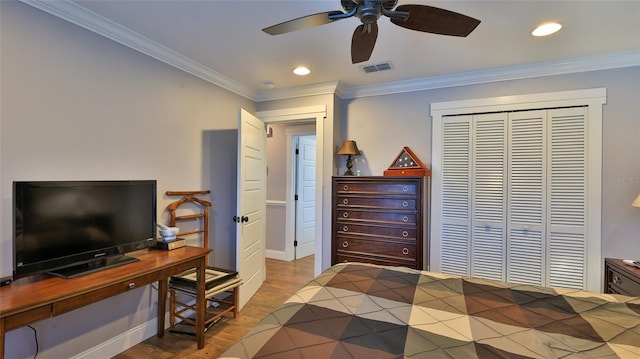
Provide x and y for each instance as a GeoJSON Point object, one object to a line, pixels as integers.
{"type": "Point", "coordinates": [566, 206]}
{"type": "Point", "coordinates": [526, 217]}
{"type": "Point", "coordinates": [488, 183]}
{"type": "Point", "coordinates": [456, 201]}
{"type": "Point", "coordinates": [514, 196]}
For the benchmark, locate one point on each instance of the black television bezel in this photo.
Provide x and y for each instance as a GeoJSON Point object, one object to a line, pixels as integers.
{"type": "Point", "coordinates": [89, 259]}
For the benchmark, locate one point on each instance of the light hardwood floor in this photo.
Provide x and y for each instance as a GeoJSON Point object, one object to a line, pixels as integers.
{"type": "Point", "coordinates": [283, 280]}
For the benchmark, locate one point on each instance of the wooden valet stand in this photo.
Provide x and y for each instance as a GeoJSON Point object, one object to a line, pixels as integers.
{"type": "Point", "coordinates": [182, 287]}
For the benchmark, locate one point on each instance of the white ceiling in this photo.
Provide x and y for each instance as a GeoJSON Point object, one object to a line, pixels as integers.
{"type": "Point", "coordinates": [225, 37]}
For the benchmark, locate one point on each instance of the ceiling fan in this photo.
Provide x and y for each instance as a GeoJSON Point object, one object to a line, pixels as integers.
{"type": "Point", "coordinates": [414, 17]}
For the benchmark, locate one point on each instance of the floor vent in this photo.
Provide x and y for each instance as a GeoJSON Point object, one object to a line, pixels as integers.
{"type": "Point", "coordinates": [379, 67]}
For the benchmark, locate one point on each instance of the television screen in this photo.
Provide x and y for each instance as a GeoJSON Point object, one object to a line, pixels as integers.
{"type": "Point", "coordinates": [84, 225]}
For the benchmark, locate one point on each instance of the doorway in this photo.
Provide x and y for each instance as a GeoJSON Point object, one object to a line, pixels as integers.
{"type": "Point", "coordinates": [314, 117]}
{"type": "Point", "coordinates": [291, 189]}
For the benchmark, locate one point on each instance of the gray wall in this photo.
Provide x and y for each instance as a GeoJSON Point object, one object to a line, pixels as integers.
{"type": "Point", "coordinates": [403, 120]}
{"type": "Point", "coordinates": [78, 106]}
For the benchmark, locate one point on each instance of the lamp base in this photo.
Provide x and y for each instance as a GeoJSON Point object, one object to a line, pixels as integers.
{"type": "Point", "coordinates": [349, 166]}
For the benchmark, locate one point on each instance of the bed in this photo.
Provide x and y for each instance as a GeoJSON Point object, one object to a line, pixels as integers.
{"type": "Point", "coordinates": [358, 310]}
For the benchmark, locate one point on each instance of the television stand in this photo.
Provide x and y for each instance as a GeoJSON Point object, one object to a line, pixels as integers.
{"type": "Point", "coordinates": [93, 266]}
{"type": "Point", "coordinates": [27, 300]}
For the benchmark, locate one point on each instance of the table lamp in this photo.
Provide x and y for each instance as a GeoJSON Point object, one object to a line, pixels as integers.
{"type": "Point", "coordinates": [349, 148]}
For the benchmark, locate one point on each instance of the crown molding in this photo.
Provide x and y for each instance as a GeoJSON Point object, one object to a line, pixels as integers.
{"type": "Point", "coordinates": [326, 88]}
{"type": "Point", "coordinates": [85, 18]}
{"type": "Point", "coordinates": [592, 63]}
{"type": "Point", "coordinates": [98, 24]}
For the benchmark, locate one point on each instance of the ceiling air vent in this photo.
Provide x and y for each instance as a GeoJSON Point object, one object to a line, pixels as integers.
{"type": "Point", "coordinates": [374, 68]}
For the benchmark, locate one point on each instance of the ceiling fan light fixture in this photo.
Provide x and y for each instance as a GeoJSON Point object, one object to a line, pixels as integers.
{"type": "Point", "coordinates": [301, 71]}
{"type": "Point", "coordinates": [546, 29]}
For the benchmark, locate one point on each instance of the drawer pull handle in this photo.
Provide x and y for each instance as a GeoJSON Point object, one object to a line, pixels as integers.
{"type": "Point", "coordinates": [345, 187]}
{"type": "Point", "coordinates": [345, 201]}
{"type": "Point", "coordinates": [345, 214]}
{"type": "Point", "coordinates": [405, 203]}
{"type": "Point", "coordinates": [405, 219]}
{"type": "Point", "coordinates": [345, 244]}
{"type": "Point", "coordinates": [405, 251]}
{"type": "Point", "coordinates": [405, 189]}
{"type": "Point", "coordinates": [405, 234]}
{"type": "Point", "coordinates": [617, 280]}
{"type": "Point", "coordinates": [345, 229]}
{"type": "Point", "coordinates": [132, 285]}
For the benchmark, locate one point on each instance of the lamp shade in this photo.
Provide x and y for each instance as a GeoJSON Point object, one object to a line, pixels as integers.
{"type": "Point", "coordinates": [636, 203]}
{"type": "Point", "coordinates": [349, 148]}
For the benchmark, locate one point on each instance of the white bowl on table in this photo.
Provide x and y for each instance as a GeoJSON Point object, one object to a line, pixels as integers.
{"type": "Point", "coordinates": [169, 234]}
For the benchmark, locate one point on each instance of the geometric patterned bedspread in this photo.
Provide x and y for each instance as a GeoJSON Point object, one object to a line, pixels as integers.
{"type": "Point", "coordinates": [358, 310]}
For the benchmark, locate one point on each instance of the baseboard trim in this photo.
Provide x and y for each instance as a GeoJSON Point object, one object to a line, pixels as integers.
{"type": "Point", "coordinates": [281, 255]}
{"type": "Point", "coordinates": [122, 342]}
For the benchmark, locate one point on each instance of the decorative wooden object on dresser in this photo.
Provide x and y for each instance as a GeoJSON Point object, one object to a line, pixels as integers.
{"type": "Point", "coordinates": [379, 220]}
{"type": "Point", "coordinates": [620, 278]}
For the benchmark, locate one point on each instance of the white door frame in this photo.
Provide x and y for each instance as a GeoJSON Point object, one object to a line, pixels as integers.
{"type": "Point", "coordinates": [301, 114]}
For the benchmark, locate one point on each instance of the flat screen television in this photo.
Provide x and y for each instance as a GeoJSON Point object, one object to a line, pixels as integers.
{"type": "Point", "coordinates": [69, 228]}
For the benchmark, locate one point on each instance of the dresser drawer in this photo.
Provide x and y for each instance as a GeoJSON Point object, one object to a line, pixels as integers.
{"type": "Point", "coordinates": [377, 188]}
{"type": "Point", "coordinates": [377, 203]}
{"type": "Point", "coordinates": [405, 233]}
{"type": "Point", "coordinates": [346, 258]}
{"type": "Point", "coordinates": [402, 251]}
{"type": "Point", "coordinates": [348, 215]}
{"type": "Point", "coordinates": [622, 283]}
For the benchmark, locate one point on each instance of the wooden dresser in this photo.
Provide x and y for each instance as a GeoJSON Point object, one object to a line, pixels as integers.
{"type": "Point", "coordinates": [379, 220]}
{"type": "Point", "coordinates": [620, 278]}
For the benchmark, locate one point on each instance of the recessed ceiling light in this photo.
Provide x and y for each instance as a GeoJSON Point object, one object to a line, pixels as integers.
{"type": "Point", "coordinates": [301, 71]}
{"type": "Point", "coordinates": [546, 29]}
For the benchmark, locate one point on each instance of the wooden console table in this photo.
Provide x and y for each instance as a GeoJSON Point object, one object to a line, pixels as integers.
{"type": "Point", "coordinates": [34, 298]}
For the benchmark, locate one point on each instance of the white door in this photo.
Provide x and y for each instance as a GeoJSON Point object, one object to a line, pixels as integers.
{"type": "Point", "coordinates": [305, 243]}
{"type": "Point", "coordinates": [251, 205]}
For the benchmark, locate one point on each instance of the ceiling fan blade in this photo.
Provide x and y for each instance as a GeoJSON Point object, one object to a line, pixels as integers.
{"type": "Point", "coordinates": [435, 20]}
{"type": "Point", "coordinates": [304, 22]}
{"type": "Point", "coordinates": [363, 41]}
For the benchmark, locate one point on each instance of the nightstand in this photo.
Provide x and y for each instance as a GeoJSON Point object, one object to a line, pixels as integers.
{"type": "Point", "coordinates": [620, 278]}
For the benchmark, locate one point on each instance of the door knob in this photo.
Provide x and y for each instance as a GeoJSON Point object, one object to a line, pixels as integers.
{"type": "Point", "coordinates": [240, 219]}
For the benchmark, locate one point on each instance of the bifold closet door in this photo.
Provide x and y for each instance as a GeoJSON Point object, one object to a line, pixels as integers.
{"type": "Point", "coordinates": [488, 196]}
{"type": "Point", "coordinates": [567, 197]}
{"type": "Point", "coordinates": [456, 195]}
{"type": "Point", "coordinates": [514, 196]}
{"type": "Point", "coordinates": [526, 249]}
